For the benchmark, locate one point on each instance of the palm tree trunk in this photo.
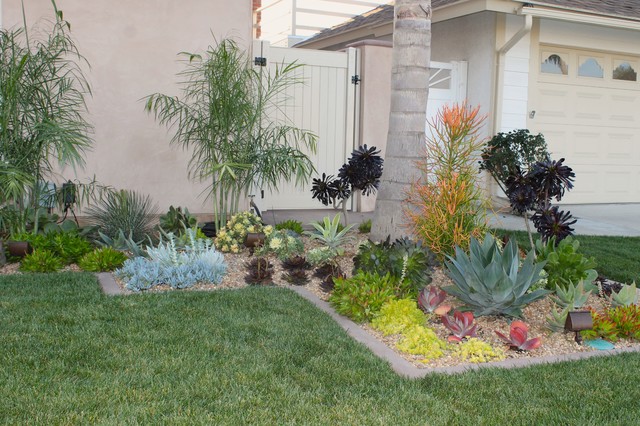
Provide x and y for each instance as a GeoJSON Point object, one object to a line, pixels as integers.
{"type": "Point", "coordinates": [407, 117]}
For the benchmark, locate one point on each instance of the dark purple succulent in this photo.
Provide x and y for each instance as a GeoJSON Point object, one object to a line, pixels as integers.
{"type": "Point", "coordinates": [554, 223]}
{"type": "Point", "coordinates": [522, 195]}
{"type": "Point", "coordinates": [551, 178]}
{"type": "Point", "coordinates": [322, 190]}
{"type": "Point", "coordinates": [361, 173]}
{"type": "Point", "coordinates": [341, 189]}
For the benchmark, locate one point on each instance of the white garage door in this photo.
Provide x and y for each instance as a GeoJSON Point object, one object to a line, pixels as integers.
{"type": "Point", "coordinates": [587, 105]}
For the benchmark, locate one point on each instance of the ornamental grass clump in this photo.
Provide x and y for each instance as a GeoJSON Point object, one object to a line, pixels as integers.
{"type": "Point", "coordinates": [446, 206]}
{"type": "Point", "coordinates": [123, 211]}
{"type": "Point", "coordinates": [490, 280]}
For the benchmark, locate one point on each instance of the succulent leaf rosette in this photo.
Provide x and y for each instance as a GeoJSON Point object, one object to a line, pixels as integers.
{"type": "Point", "coordinates": [231, 238]}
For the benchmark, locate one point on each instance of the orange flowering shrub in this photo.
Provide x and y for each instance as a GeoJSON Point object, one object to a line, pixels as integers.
{"type": "Point", "coordinates": [446, 207]}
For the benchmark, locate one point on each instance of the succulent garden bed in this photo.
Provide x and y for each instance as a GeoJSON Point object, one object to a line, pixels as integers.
{"type": "Point", "coordinates": [534, 315]}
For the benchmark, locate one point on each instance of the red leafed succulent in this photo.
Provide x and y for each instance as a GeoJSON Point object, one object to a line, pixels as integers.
{"type": "Point", "coordinates": [430, 299]}
{"type": "Point", "coordinates": [517, 339]}
{"type": "Point", "coordinates": [460, 324]}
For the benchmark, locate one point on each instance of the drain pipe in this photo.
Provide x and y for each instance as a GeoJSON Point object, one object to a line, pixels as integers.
{"type": "Point", "coordinates": [491, 186]}
{"type": "Point", "coordinates": [501, 53]}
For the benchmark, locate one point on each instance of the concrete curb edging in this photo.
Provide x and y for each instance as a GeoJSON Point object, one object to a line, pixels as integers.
{"type": "Point", "coordinates": [108, 284]}
{"type": "Point", "coordinates": [404, 368]}
{"type": "Point", "coordinates": [400, 365]}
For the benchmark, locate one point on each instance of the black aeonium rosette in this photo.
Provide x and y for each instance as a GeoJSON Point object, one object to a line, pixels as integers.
{"type": "Point", "coordinates": [552, 178]}
{"type": "Point", "coordinates": [554, 223]}
{"type": "Point", "coordinates": [361, 173]}
{"type": "Point", "coordinates": [322, 189]}
{"type": "Point", "coordinates": [521, 193]}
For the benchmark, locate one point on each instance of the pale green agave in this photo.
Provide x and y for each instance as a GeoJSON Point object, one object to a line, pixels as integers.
{"type": "Point", "coordinates": [625, 297]}
{"type": "Point", "coordinates": [490, 281]}
{"type": "Point", "coordinates": [572, 296]}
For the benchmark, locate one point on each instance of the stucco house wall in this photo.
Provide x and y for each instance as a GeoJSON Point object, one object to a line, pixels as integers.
{"type": "Point", "coordinates": [451, 41]}
{"type": "Point", "coordinates": [132, 47]}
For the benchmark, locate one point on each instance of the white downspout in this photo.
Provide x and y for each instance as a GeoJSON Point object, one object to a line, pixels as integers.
{"type": "Point", "coordinates": [491, 186]}
{"type": "Point", "coordinates": [501, 53]}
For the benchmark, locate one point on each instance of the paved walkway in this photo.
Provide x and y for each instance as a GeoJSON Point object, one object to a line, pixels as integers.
{"type": "Point", "coordinates": [593, 219]}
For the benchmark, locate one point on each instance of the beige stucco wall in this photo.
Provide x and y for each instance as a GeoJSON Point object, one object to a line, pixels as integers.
{"type": "Point", "coordinates": [132, 47]}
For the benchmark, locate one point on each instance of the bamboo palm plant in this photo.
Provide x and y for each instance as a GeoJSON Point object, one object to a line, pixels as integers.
{"type": "Point", "coordinates": [227, 117]}
{"type": "Point", "coordinates": [42, 101]}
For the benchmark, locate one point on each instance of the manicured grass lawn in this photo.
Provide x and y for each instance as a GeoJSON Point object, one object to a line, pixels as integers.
{"type": "Point", "coordinates": [618, 258]}
{"type": "Point", "coordinates": [256, 356]}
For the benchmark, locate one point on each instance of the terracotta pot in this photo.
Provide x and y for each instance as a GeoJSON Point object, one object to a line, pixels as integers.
{"type": "Point", "coordinates": [254, 239]}
{"type": "Point", "coordinates": [19, 248]}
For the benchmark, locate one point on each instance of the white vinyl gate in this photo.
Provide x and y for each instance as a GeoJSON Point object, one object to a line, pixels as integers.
{"type": "Point", "coordinates": [327, 104]}
{"type": "Point", "coordinates": [324, 104]}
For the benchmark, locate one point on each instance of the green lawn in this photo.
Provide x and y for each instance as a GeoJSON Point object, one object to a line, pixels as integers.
{"type": "Point", "coordinates": [618, 258]}
{"type": "Point", "coordinates": [71, 355]}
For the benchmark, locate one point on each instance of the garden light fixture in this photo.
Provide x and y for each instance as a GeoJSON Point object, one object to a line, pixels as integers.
{"type": "Point", "coordinates": [578, 321]}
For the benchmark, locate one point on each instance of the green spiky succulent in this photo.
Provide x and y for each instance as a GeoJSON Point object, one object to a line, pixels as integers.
{"type": "Point", "coordinates": [625, 297]}
{"type": "Point", "coordinates": [489, 281]}
{"type": "Point", "coordinates": [573, 297]}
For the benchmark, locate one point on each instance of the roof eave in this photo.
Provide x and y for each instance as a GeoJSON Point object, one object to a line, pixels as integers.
{"type": "Point", "coordinates": [442, 13]}
{"type": "Point", "coordinates": [578, 11]}
{"type": "Point", "coordinates": [579, 16]}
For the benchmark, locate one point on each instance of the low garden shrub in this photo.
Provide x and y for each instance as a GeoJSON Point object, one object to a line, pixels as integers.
{"type": "Point", "coordinates": [41, 260]}
{"type": "Point", "coordinates": [446, 206]}
{"type": "Point", "coordinates": [404, 259]}
{"type": "Point", "coordinates": [197, 262]}
{"type": "Point", "coordinates": [361, 296]}
{"type": "Point", "coordinates": [105, 259]}
{"type": "Point", "coordinates": [564, 264]}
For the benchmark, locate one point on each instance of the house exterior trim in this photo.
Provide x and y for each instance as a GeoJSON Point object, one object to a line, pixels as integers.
{"type": "Point", "coordinates": [540, 12]}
